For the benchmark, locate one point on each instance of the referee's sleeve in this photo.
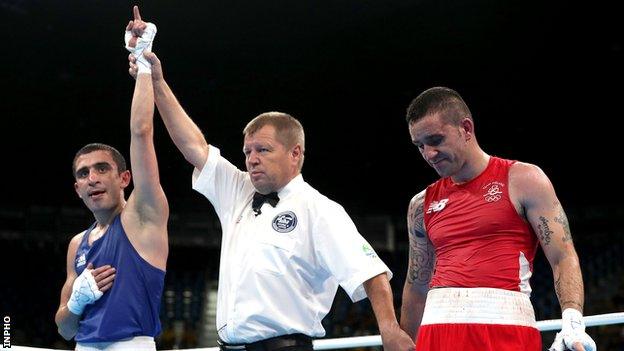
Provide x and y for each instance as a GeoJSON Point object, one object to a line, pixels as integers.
{"type": "Point", "coordinates": [219, 181]}
{"type": "Point", "coordinates": [343, 252]}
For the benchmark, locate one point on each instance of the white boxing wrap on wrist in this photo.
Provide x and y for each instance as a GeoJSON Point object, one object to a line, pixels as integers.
{"type": "Point", "coordinates": [572, 331]}
{"type": "Point", "coordinates": [143, 43]}
{"type": "Point", "coordinates": [572, 321]}
{"type": "Point", "coordinates": [143, 65]}
{"type": "Point", "coordinates": [84, 292]}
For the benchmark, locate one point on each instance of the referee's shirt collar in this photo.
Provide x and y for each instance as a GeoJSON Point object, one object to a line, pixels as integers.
{"type": "Point", "coordinates": [293, 186]}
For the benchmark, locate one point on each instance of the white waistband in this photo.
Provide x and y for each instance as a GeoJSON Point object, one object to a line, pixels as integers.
{"type": "Point", "coordinates": [137, 343]}
{"type": "Point", "coordinates": [478, 306]}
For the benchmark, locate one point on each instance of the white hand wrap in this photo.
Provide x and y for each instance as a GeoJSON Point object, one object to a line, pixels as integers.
{"type": "Point", "coordinates": [84, 292]}
{"type": "Point", "coordinates": [144, 42]}
{"type": "Point", "coordinates": [572, 331]}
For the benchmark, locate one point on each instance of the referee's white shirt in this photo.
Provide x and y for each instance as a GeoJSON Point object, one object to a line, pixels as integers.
{"type": "Point", "coordinates": [280, 270]}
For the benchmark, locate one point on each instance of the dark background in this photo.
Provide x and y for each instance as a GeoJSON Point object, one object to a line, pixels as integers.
{"type": "Point", "coordinates": [543, 81]}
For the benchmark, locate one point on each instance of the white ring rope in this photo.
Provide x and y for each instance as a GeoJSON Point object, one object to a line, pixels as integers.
{"type": "Point", "coordinates": [375, 340]}
{"type": "Point", "coordinates": [590, 321]}
{"type": "Point", "coordinates": [545, 325]}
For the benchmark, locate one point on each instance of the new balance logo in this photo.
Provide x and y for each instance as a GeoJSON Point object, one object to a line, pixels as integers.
{"type": "Point", "coordinates": [437, 206]}
{"type": "Point", "coordinates": [81, 260]}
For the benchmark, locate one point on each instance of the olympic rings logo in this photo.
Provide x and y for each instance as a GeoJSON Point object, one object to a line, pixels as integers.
{"type": "Point", "coordinates": [492, 198]}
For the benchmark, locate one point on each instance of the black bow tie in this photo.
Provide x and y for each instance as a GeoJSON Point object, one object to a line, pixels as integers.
{"type": "Point", "coordinates": [260, 199]}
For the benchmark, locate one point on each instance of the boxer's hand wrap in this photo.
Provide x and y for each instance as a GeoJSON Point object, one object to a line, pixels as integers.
{"type": "Point", "coordinates": [84, 292]}
{"type": "Point", "coordinates": [144, 42]}
{"type": "Point", "coordinates": [572, 331]}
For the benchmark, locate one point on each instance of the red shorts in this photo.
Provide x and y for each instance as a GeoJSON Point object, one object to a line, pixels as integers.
{"type": "Point", "coordinates": [478, 337]}
{"type": "Point", "coordinates": [478, 319]}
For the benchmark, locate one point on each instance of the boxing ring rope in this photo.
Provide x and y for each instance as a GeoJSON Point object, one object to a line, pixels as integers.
{"type": "Point", "coordinates": [375, 340]}
{"type": "Point", "coordinates": [545, 325]}
{"type": "Point", "coordinates": [590, 321]}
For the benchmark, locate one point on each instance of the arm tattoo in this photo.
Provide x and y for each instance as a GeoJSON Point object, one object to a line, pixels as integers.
{"type": "Point", "coordinates": [421, 262]}
{"type": "Point", "coordinates": [421, 253]}
{"type": "Point", "coordinates": [415, 216]}
{"type": "Point", "coordinates": [417, 220]}
{"type": "Point", "coordinates": [544, 231]}
{"type": "Point", "coordinates": [563, 220]}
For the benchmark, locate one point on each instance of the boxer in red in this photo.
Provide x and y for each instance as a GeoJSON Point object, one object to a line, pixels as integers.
{"type": "Point", "coordinates": [473, 237]}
